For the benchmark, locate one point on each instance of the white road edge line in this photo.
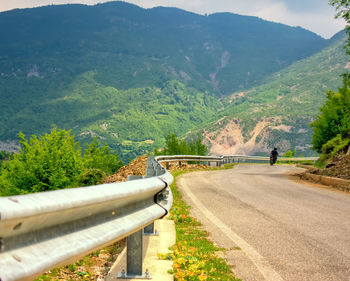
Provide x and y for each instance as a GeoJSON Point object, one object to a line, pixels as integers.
{"type": "Point", "coordinates": [262, 265]}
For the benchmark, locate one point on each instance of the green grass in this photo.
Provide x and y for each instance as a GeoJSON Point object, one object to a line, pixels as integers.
{"type": "Point", "coordinates": [194, 256]}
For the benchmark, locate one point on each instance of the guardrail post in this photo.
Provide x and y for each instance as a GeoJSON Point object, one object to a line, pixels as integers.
{"type": "Point", "coordinates": [150, 230]}
{"type": "Point", "coordinates": [134, 250]}
{"type": "Point", "coordinates": [134, 254]}
{"type": "Point", "coordinates": [134, 244]}
{"type": "Point", "coordinates": [151, 169]}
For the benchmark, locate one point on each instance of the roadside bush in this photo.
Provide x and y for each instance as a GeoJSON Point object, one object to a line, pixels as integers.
{"type": "Point", "coordinates": [335, 145]}
{"type": "Point", "coordinates": [102, 158]}
{"type": "Point", "coordinates": [4, 155]}
{"type": "Point", "coordinates": [55, 161]}
{"type": "Point", "coordinates": [289, 153]}
{"type": "Point", "coordinates": [91, 177]}
{"type": "Point", "coordinates": [334, 120]}
{"type": "Point", "coordinates": [331, 149]}
{"type": "Point", "coordinates": [176, 146]}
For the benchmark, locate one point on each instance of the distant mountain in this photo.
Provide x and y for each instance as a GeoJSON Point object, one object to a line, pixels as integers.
{"type": "Point", "coordinates": [278, 112]}
{"type": "Point", "coordinates": [134, 47]}
{"type": "Point", "coordinates": [130, 75]}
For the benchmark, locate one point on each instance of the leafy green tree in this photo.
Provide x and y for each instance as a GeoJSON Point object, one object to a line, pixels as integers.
{"type": "Point", "coordinates": [290, 153]}
{"type": "Point", "coordinates": [176, 146]}
{"type": "Point", "coordinates": [102, 158]}
{"type": "Point", "coordinates": [50, 162]}
{"type": "Point", "coordinates": [343, 10]}
{"type": "Point", "coordinates": [332, 126]}
{"type": "Point", "coordinates": [334, 118]}
{"type": "Point", "coordinates": [4, 155]}
{"type": "Point", "coordinates": [197, 147]}
{"type": "Point", "coordinates": [55, 161]}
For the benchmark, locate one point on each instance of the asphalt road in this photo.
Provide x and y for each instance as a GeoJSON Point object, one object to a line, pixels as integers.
{"type": "Point", "coordinates": [273, 227]}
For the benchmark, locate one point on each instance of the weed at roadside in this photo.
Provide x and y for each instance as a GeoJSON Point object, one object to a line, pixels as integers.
{"type": "Point", "coordinates": [194, 256]}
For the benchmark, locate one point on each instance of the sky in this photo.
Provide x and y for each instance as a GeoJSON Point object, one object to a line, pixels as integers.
{"type": "Point", "coordinates": [314, 15]}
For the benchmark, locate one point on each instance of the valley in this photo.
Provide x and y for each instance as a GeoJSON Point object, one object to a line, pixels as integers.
{"type": "Point", "coordinates": [129, 76]}
{"type": "Point", "coordinates": [278, 112]}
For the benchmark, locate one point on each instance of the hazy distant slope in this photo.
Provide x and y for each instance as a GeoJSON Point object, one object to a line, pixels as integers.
{"type": "Point", "coordinates": [278, 112]}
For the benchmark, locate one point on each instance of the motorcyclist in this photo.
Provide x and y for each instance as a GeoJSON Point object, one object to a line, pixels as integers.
{"type": "Point", "coordinates": [273, 156]}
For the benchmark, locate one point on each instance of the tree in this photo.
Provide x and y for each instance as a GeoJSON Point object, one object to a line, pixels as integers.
{"type": "Point", "coordinates": [102, 158]}
{"type": "Point", "coordinates": [333, 122]}
{"type": "Point", "coordinates": [332, 126]}
{"type": "Point", "coordinates": [343, 10]}
{"type": "Point", "coordinates": [50, 162]}
{"type": "Point", "coordinates": [290, 153]}
{"type": "Point", "coordinates": [197, 147]}
{"type": "Point", "coordinates": [54, 161]}
{"type": "Point", "coordinates": [4, 155]}
{"type": "Point", "coordinates": [98, 162]}
{"type": "Point", "coordinates": [176, 146]}
{"type": "Point", "coordinates": [334, 117]}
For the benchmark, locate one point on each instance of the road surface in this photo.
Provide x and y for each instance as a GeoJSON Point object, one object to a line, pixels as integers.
{"type": "Point", "coordinates": [275, 229]}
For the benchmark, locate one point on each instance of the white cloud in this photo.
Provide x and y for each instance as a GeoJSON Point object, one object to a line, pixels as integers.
{"type": "Point", "coordinates": [322, 23]}
{"type": "Point", "coordinates": [314, 15]}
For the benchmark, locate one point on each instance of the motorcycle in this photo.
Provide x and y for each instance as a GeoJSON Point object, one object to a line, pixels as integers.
{"type": "Point", "coordinates": [273, 159]}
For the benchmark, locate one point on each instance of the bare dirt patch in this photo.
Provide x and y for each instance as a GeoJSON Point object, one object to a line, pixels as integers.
{"type": "Point", "coordinates": [139, 165]}
{"type": "Point", "coordinates": [135, 168]}
{"type": "Point", "coordinates": [339, 167]}
{"type": "Point", "coordinates": [335, 175]}
{"type": "Point", "coordinates": [230, 139]}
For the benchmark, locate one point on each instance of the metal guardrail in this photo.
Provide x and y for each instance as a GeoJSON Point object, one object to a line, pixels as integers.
{"type": "Point", "coordinates": [170, 158]}
{"type": "Point", "coordinates": [237, 158]}
{"type": "Point", "coordinates": [44, 230]}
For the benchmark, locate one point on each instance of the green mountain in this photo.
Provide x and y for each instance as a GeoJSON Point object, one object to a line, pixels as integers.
{"type": "Point", "coordinates": [133, 47]}
{"type": "Point", "coordinates": [278, 112]}
{"type": "Point", "coordinates": [130, 75]}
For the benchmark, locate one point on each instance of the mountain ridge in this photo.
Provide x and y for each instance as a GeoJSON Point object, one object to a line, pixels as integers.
{"type": "Point", "coordinates": [279, 111]}
{"type": "Point", "coordinates": [130, 75]}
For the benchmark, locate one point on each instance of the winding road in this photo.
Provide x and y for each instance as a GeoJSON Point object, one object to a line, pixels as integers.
{"type": "Point", "coordinates": [274, 228]}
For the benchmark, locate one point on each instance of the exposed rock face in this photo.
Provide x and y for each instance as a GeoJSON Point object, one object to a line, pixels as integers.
{"type": "Point", "coordinates": [231, 137]}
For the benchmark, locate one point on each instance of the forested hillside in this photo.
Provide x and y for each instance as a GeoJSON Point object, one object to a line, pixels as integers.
{"type": "Point", "coordinates": [279, 111]}
{"type": "Point", "coordinates": [130, 75]}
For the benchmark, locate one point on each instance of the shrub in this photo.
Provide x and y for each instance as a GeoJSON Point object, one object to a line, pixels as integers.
{"type": "Point", "coordinates": [102, 158]}
{"type": "Point", "coordinates": [289, 153]}
{"type": "Point", "coordinates": [55, 161]}
{"type": "Point", "coordinates": [332, 125]}
{"type": "Point", "coordinates": [50, 162]}
{"type": "Point", "coordinates": [91, 177]}
{"type": "Point", "coordinates": [176, 146]}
